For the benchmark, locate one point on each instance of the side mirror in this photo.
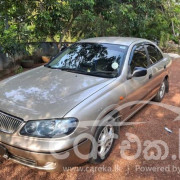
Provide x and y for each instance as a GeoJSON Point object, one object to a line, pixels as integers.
{"type": "Point", "coordinates": [139, 72]}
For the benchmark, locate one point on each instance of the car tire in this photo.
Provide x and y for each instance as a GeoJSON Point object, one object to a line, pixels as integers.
{"type": "Point", "coordinates": [103, 142]}
{"type": "Point", "coordinates": [161, 93]}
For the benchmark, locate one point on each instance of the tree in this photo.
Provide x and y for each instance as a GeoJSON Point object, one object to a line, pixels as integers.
{"type": "Point", "coordinates": [57, 17]}
{"type": "Point", "coordinates": [58, 20]}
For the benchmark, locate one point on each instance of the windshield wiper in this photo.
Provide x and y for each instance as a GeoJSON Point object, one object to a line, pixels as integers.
{"type": "Point", "coordinates": [63, 69]}
{"type": "Point", "coordinates": [107, 74]}
{"type": "Point", "coordinates": [48, 66]}
{"type": "Point", "coordinates": [103, 73]}
{"type": "Point", "coordinates": [73, 70]}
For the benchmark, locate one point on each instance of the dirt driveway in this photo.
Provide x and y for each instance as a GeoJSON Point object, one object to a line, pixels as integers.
{"type": "Point", "coordinates": [116, 167]}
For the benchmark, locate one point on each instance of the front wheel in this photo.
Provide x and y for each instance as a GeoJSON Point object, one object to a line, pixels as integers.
{"type": "Point", "coordinates": [103, 143]}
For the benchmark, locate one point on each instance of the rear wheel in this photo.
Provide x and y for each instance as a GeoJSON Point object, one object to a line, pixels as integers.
{"type": "Point", "coordinates": [161, 93]}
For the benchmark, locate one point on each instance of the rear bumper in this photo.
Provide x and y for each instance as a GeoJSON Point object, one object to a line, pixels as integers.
{"type": "Point", "coordinates": [48, 161]}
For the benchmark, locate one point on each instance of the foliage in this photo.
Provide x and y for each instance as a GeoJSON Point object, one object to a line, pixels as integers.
{"type": "Point", "coordinates": [19, 70]}
{"type": "Point", "coordinates": [57, 20]}
{"type": "Point", "coordinates": [13, 14]}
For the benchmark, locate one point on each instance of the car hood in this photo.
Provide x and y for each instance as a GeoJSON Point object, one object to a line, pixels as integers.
{"type": "Point", "coordinates": [44, 93]}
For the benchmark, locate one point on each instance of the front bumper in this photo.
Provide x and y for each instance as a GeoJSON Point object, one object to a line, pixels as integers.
{"type": "Point", "coordinates": [48, 161]}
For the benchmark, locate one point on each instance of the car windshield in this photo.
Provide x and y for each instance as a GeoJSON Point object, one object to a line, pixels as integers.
{"type": "Point", "coordinates": [104, 60]}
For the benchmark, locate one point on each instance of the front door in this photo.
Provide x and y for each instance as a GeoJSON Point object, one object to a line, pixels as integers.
{"type": "Point", "coordinates": [137, 88]}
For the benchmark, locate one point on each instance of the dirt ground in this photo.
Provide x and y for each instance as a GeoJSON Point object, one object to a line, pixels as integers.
{"type": "Point", "coordinates": [116, 167]}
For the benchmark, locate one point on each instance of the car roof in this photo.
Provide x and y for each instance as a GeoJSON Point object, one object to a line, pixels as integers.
{"type": "Point", "coordinates": [127, 41]}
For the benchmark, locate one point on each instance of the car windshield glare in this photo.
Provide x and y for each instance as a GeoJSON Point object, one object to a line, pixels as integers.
{"type": "Point", "coordinates": [103, 60]}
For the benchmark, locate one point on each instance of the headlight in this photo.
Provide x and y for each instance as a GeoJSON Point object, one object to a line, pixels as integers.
{"type": "Point", "coordinates": [49, 128]}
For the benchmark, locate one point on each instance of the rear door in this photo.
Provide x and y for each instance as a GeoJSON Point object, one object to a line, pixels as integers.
{"type": "Point", "coordinates": [158, 66]}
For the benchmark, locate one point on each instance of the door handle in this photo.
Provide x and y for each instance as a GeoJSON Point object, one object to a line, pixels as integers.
{"type": "Point", "coordinates": [150, 76]}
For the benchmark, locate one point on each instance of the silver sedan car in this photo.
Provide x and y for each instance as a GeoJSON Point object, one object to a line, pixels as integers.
{"type": "Point", "coordinates": [69, 111]}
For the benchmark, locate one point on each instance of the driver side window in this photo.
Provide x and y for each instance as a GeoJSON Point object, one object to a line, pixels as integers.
{"type": "Point", "coordinates": [139, 58]}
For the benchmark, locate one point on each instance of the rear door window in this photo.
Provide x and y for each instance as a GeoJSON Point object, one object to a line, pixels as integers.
{"type": "Point", "coordinates": [154, 54]}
